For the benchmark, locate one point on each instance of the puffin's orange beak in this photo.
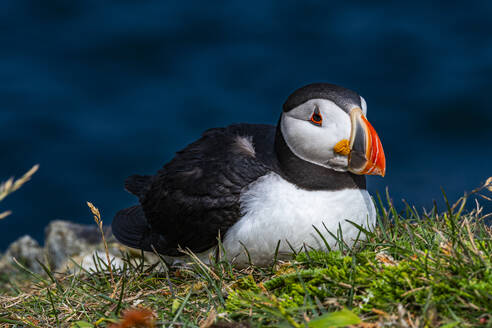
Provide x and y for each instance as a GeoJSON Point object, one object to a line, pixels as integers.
{"type": "Point", "coordinates": [366, 152]}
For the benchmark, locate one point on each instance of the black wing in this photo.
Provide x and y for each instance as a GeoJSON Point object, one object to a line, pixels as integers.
{"type": "Point", "coordinates": [195, 196]}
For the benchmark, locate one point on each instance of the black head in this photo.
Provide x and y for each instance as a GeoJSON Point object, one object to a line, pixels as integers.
{"type": "Point", "coordinates": [323, 127]}
{"type": "Point", "coordinates": [344, 98]}
{"type": "Point", "coordinates": [315, 119]}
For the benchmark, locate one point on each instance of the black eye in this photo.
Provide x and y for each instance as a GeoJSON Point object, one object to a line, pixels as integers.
{"type": "Point", "coordinates": [316, 118]}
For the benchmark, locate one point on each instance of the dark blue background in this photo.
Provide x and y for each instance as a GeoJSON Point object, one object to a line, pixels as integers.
{"type": "Point", "coordinates": [95, 90]}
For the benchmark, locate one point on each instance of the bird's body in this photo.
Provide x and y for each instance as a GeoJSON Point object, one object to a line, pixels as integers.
{"type": "Point", "coordinates": [247, 185]}
{"type": "Point", "coordinates": [275, 209]}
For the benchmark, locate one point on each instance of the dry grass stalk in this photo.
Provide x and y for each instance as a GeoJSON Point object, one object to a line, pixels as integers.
{"type": "Point", "coordinates": [209, 321]}
{"type": "Point", "coordinates": [197, 260]}
{"type": "Point", "coordinates": [10, 186]}
{"type": "Point", "coordinates": [99, 222]}
{"type": "Point", "coordinates": [488, 184]}
{"type": "Point", "coordinates": [3, 215]}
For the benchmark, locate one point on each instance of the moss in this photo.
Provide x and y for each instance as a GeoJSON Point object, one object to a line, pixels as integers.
{"type": "Point", "coordinates": [246, 283]}
{"type": "Point", "coordinates": [373, 285]}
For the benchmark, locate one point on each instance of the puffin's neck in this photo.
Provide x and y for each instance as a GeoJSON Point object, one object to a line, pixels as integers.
{"type": "Point", "coordinates": [310, 176]}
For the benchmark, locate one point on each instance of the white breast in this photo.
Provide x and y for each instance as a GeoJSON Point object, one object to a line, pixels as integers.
{"type": "Point", "coordinates": [274, 209]}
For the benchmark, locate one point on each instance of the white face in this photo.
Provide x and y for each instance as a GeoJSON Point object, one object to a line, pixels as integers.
{"type": "Point", "coordinates": [314, 142]}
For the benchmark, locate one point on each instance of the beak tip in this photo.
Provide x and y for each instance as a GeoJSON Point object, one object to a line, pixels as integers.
{"type": "Point", "coordinates": [379, 171]}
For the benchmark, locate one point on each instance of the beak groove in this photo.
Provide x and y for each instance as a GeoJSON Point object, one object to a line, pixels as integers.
{"type": "Point", "coordinates": [367, 154]}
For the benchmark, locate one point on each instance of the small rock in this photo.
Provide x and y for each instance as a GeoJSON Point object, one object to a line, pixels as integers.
{"type": "Point", "coordinates": [97, 261]}
{"type": "Point", "coordinates": [25, 250]}
{"type": "Point", "coordinates": [65, 239]}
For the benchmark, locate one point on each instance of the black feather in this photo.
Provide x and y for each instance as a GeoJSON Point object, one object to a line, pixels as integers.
{"type": "Point", "coordinates": [196, 195]}
{"type": "Point", "coordinates": [130, 226]}
{"type": "Point", "coordinates": [138, 185]}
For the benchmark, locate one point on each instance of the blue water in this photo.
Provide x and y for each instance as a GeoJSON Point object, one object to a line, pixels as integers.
{"type": "Point", "coordinates": [95, 91]}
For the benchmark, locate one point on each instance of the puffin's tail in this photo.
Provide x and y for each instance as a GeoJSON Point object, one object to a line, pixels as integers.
{"type": "Point", "coordinates": [131, 229]}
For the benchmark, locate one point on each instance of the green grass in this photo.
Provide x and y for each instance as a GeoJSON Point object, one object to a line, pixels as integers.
{"type": "Point", "coordinates": [416, 269]}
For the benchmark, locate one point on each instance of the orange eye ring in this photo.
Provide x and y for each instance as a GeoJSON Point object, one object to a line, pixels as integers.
{"type": "Point", "coordinates": [316, 118]}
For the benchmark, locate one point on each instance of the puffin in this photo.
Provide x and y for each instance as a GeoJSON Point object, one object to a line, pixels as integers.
{"type": "Point", "coordinates": [255, 192]}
